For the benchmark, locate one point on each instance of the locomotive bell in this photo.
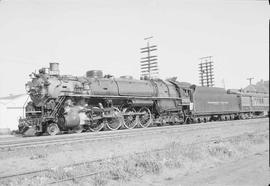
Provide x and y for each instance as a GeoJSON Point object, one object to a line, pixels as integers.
{"type": "Point", "coordinates": [94, 74]}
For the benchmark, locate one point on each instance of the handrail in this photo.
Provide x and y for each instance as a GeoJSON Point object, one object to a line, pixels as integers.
{"type": "Point", "coordinates": [24, 106]}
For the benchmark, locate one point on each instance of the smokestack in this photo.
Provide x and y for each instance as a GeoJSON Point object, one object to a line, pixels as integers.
{"type": "Point", "coordinates": [54, 68]}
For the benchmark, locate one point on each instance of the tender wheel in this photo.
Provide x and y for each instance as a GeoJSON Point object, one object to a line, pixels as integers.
{"type": "Point", "coordinates": [115, 122]}
{"type": "Point", "coordinates": [130, 120]}
{"type": "Point", "coordinates": [194, 120]}
{"type": "Point", "coordinates": [146, 118]}
{"type": "Point", "coordinates": [96, 125]}
{"type": "Point", "coordinates": [53, 129]}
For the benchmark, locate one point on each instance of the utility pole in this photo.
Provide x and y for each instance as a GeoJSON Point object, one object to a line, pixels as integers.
{"type": "Point", "coordinates": [206, 71]}
{"type": "Point", "coordinates": [223, 83]}
{"type": "Point", "coordinates": [250, 79]}
{"type": "Point", "coordinates": [149, 64]}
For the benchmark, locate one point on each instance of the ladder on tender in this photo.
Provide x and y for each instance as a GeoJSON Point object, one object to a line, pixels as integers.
{"type": "Point", "coordinates": [59, 101]}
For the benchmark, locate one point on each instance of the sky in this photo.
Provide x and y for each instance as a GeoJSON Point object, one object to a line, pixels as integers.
{"type": "Point", "coordinates": [108, 34]}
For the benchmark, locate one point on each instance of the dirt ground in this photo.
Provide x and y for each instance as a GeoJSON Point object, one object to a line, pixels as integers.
{"type": "Point", "coordinates": [238, 156]}
{"type": "Point", "coordinates": [252, 170]}
{"type": "Point", "coordinates": [249, 168]}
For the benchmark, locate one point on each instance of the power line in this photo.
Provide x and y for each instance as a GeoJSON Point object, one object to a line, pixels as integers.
{"type": "Point", "coordinates": [149, 64]}
{"type": "Point", "coordinates": [250, 79]}
{"type": "Point", "coordinates": [206, 71]}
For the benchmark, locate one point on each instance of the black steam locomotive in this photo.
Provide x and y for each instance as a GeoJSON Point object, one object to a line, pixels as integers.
{"type": "Point", "coordinates": [61, 103]}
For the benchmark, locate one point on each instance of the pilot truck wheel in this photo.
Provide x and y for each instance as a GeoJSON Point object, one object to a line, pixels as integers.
{"type": "Point", "coordinates": [53, 129]}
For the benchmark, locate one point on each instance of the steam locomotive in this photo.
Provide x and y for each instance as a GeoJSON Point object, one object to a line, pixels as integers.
{"type": "Point", "coordinates": [62, 103]}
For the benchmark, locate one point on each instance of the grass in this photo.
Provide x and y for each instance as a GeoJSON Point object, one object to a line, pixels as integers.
{"type": "Point", "coordinates": [220, 151]}
{"type": "Point", "coordinates": [59, 173]}
{"type": "Point", "coordinates": [135, 165]}
{"type": "Point", "coordinates": [175, 156]}
{"type": "Point", "coordinates": [99, 180]}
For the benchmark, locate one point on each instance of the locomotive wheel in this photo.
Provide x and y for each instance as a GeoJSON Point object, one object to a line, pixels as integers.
{"type": "Point", "coordinates": [29, 132]}
{"type": "Point", "coordinates": [146, 118]}
{"type": "Point", "coordinates": [96, 125]}
{"type": "Point", "coordinates": [53, 129]}
{"type": "Point", "coordinates": [130, 121]}
{"type": "Point", "coordinates": [78, 129]}
{"type": "Point", "coordinates": [188, 120]}
{"type": "Point", "coordinates": [115, 122]}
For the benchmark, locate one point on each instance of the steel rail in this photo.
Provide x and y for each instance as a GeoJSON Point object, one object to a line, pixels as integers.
{"type": "Point", "coordinates": [11, 140]}
{"type": "Point", "coordinates": [74, 136]}
{"type": "Point", "coordinates": [36, 141]}
{"type": "Point", "coordinates": [226, 139]}
{"type": "Point", "coordinates": [114, 134]}
{"type": "Point", "coordinates": [215, 140]}
{"type": "Point", "coordinates": [75, 177]}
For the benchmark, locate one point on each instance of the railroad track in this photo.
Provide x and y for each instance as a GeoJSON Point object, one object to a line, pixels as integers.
{"type": "Point", "coordinates": [105, 135]}
{"type": "Point", "coordinates": [72, 178]}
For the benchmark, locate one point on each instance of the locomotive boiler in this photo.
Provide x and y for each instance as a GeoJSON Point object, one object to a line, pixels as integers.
{"type": "Point", "coordinates": [61, 103]}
